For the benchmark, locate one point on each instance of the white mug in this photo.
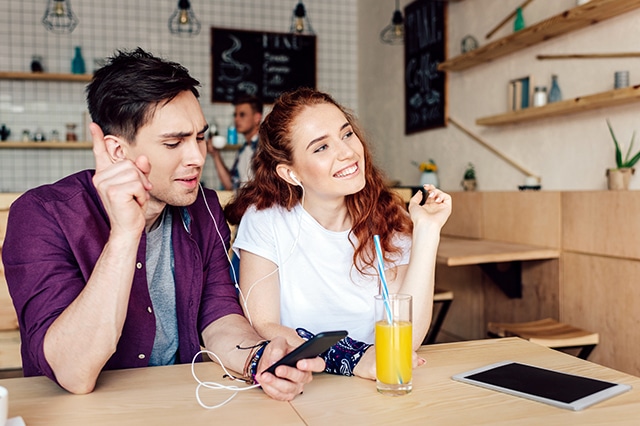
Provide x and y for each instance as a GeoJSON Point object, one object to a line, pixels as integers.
{"type": "Point", "coordinates": [219, 141]}
{"type": "Point", "coordinates": [4, 405]}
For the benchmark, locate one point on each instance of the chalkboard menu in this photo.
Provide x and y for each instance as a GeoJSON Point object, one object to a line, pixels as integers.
{"type": "Point", "coordinates": [260, 63]}
{"type": "Point", "coordinates": [424, 48]}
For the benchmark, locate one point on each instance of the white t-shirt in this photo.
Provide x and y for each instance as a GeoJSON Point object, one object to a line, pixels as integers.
{"type": "Point", "coordinates": [320, 290]}
{"type": "Point", "coordinates": [244, 163]}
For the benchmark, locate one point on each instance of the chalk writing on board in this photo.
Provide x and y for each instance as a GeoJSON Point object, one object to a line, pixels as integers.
{"type": "Point", "coordinates": [425, 45]}
{"type": "Point", "coordinates": [260, 63]}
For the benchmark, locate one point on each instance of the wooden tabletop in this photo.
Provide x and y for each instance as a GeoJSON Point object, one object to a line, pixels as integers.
{"type": "Point", "coordinates": [166, 396]}
{"type": "Point", "coordinates": [463, 251]}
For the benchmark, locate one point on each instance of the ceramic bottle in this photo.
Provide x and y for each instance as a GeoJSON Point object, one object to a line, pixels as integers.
{"type": "Point", "coordinates": [77, 63]}
{"type": "Point", "coordinates": [555, 94]}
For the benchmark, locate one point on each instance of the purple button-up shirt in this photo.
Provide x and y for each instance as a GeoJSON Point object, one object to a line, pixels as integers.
{"type": "Point", "coordinates": [56, 233]}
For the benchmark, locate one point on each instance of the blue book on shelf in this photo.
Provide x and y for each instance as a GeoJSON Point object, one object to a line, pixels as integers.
{"type": "Point", "coordinates": [525, 93]}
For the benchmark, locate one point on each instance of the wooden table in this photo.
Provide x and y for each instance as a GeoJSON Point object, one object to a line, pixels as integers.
{"type": "Point", "coordinates": [465, 251]}
{"type": "Point", "coordinates": [500, 260]}
{"type": "Point", "coordinates": [166, 396]}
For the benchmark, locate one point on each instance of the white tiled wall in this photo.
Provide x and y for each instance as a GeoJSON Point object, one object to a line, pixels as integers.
{"type": "Point", "coordinates": [124, 24]}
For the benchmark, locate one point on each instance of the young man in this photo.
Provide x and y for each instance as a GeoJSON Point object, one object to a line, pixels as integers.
{"type": "Point", "coordinates": [126, 266]}
{"type": "Point", "coordinates": [246, 118]}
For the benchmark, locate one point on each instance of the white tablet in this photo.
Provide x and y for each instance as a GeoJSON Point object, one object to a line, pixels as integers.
{"type": "Point", "coordinates": [540, 384]}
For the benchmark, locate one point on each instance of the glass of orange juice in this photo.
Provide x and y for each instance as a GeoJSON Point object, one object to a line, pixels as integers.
{"type": "Point", "coordinates": [394, 344]}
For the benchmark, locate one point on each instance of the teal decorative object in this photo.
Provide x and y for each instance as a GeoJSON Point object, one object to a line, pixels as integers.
{"type": "Point", "coordinates": [518, 24]}
{"type": "Point", "coordinates": [555, 94]}
{"type": "Point", "coordinates": [77, 63]}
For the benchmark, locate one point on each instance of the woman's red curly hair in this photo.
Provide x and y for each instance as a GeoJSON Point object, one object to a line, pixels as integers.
{"type": "Point", "coordinates": [373, 210]}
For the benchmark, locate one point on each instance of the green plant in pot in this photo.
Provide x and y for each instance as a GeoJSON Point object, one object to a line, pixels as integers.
{"type": "Point", "coordinates": [619, 177]}
{"type": "Point", "coordinates": [469, 178]}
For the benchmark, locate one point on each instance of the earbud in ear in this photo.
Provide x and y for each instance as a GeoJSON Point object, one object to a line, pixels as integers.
{"type": "Point", "coordinates": [294, 178]}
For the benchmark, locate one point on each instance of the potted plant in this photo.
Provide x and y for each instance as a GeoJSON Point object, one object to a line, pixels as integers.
{"type": "Point", "coordinates": [469, 178]}
{"type": "Point", "coordinates": [618, 178]}
{"type": "Point", "coordinates": [429, 172]}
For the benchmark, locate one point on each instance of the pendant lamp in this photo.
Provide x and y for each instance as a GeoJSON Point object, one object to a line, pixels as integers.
{"type": "Point", "coordinates": [183, 21]}
{"type": "Point", "coordinates": [300, 23]}
{"type": "Point", "coordinates": [394, 32]}
{"type": "Point", "coordinates": [59, 18]}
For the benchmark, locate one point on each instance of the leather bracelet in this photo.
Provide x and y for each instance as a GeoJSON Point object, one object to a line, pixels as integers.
{"type": "Point", "coordinates": [251, 365]}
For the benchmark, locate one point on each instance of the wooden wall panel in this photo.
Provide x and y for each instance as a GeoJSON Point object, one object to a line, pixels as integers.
{"type": "Point", "coordinates": [603, 294]}
{"type": "Point", "coordinates": [3, 224]}
{"type": "Point", "coordinates": [6, 198]}
{"type": "Point", "coordinates": [466, 215]}
{"type": "Point", "coordinates": [540, 294]}
{"type": "Point", "coordinates": [527, 217]}
{"type": "Point", "coordinates": [602, 222]}
{"type": "Point", "coordinates": [8, 318]}
{"type": "Point", "coordinates": [465, 319]}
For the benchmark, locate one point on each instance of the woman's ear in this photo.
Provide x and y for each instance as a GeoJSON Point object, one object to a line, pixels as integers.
{"type": "Point", "coordinates": [116, 148]}
{"type": "Point", "coordinates": [284, 171]}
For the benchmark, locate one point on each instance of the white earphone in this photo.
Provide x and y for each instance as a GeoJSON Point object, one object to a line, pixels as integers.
{"type": "Point", "coordinates": [294, 178]}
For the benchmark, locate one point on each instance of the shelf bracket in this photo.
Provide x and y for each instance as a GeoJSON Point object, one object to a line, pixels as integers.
{"type": "Point", "coordinates": [507, 276]}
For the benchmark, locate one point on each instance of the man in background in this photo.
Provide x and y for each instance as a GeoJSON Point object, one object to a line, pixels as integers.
{"type": "Point", "coordinates": [247, 116]}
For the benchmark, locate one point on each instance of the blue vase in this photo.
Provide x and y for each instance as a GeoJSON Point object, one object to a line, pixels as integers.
{"type": "Point", "coordinates": [429, 178]}
{"type": "Point", "coordinates": [77, 63]}
{"type": "Point", "coordinates": [555, 94]}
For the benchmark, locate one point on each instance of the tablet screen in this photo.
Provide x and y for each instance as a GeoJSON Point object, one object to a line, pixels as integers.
{"type": "Point", "coordinates": [544, 385]}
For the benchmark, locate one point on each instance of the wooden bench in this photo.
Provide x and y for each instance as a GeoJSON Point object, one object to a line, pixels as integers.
{"type": "Point", "coordinates": [548, 332]}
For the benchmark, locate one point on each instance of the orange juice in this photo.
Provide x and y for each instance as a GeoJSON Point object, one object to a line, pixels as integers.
{"type": "Point", "coordinates": [394, 352]}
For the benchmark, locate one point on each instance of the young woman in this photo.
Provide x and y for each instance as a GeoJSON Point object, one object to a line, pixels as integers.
{"type": "Point", "coordinates": [306, 227]}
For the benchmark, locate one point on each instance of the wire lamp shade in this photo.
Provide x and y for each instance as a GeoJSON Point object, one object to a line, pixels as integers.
{"type": "Point", "coordinates": [183, 21]}
{"type": "Point", "coordinates": [59, 18]}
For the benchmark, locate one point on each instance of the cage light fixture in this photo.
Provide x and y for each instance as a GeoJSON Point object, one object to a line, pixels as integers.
{"type": "Point", "coordinates": [59, 18]}
{"type": "Point", "coordinates": [183, 21]}
{"type": "Point", "coordinates": [394, 32]}
{"type": "Point", "coordinates": [300, 23]}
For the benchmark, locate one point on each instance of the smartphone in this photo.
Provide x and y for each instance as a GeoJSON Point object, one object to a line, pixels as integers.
{"type": "Point", "coordinates": [309, 349]}
{"type": "Point", "coordinates": [425, 194]}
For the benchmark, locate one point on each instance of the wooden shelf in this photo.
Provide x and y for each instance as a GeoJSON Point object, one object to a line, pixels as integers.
{"type": "Point", "coordinates": [40, 145]}
{"type": "Point", "coordinates": [44, 76]}
{"type": "Point", "coordinates": [570, 106]}
{"type": "Point", "coordinates": [72, 145]}
{"type": "Point", "coordinates": [573, 19]}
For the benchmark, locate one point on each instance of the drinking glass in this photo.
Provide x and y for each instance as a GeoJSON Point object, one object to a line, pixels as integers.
{"type": "Point", "coordinates": [393, 344]}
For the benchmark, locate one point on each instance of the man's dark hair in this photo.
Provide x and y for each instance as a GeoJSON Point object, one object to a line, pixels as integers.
{"type": "Point", "coordinates": [124, 94]}
{"type": "Point", "coordinates": [254, 101]}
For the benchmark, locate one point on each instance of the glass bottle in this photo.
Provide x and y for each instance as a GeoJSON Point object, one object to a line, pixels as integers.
{"type": "Point", "coordinates": [555, 94]}
{"type": "Point", "coordinates": [36, 63]}
{"type": "Point", "coordinates": [77, 63]}
{"type": "Point", "coordinates": [71, 132]}
{"type": "Point", "coordinates": [232, 135]}
{"type": "Point", "coordinates": [540, 96]}
{"type": "Point", "coordinates": [518, 23]}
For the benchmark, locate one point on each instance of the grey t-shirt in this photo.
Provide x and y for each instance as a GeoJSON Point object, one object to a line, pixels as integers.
{"type": "Point", "coordinates": [160, 278]}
